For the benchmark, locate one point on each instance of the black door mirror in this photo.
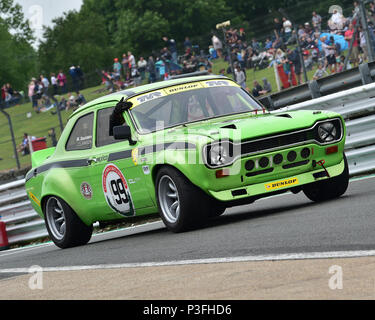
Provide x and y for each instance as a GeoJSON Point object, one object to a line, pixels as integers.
{"type": "Point", "coordinates": [123, 133]}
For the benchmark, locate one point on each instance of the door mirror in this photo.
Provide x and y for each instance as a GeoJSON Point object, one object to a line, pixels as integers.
{"type": "Point", "coordinates": [123, 133]}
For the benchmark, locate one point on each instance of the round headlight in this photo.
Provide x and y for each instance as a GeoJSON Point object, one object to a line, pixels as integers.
{"type": "Point", "coordinates": [327, 132]}
{"type": "Point", "coordinates": [218, 155]}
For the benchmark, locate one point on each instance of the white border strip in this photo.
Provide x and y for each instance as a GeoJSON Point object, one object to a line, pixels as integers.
{"type": "Point", "coordinates": [277, 257]}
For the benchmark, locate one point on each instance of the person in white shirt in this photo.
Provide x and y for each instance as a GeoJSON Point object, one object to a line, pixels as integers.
{"type": "Point", "coordinates": [316, 20]}
{"type": "Point", "coordinates": [45, 83]}
{"type": "Point", "coordinates": [240, 77]}
{"type": "Point", "coordinates": [131, 60]}
{"type": "Point", "coordinates": [287, 26]}
{"type": "Point", "coordinates": [142, 64]}
{"type": "Point", "coordinates": [218, 46]}
{"type": "Point", "coordinates": [54, 84]}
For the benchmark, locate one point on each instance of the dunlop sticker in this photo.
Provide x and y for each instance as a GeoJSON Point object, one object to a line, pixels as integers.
{"type": "Point", "coordinates": [184, 87]}
{"type": "Point", "coordinates": [281, 184]}
{"type": "Point", "coordinates": [138, 100]}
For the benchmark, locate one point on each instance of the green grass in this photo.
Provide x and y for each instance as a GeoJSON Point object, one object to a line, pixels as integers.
{"type": "Point", "coordinates": [258, 75]}
{"type": "Point", "coordinates": [39, 124]}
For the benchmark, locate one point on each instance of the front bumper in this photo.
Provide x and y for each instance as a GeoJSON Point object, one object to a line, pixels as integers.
{"type": "Point", "coordinates": [284, 184]}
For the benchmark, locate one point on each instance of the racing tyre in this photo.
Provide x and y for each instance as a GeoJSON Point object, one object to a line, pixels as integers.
{"type": "Point", "coordinates": [330, 188]}
{"type": "Point", "coordinates": [182, 206]}
{"type": "Point", "coordinates": [64, 227]}
{"type": "Point", "coordinates": [216, 209]}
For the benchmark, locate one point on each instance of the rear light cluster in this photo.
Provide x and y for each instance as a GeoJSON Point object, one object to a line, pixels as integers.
{"type": "Point", "coordinates": [277, 159]}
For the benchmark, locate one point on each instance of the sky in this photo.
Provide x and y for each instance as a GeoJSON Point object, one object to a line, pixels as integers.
{"type": "Point", "coordinates": [42, 12]}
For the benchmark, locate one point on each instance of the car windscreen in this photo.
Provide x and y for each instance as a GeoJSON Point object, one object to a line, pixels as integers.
{"type": "Point", "coordinates": [160, 110]}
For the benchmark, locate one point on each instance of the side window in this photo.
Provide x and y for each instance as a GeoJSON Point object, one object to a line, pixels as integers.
{"type": "Point", "coordinates": [102, 128]}
{"type": "Point", "coordinates": [81, 136]}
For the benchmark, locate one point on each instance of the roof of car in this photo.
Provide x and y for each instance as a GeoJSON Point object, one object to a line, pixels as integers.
{"type": "Point", "coordinates": [117, 96]}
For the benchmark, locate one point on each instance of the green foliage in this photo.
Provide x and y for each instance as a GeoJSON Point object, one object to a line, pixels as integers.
{"type": "Point", "coordinates": [17, 56]}
{"type": "Point", "coordinates": [75, 39]}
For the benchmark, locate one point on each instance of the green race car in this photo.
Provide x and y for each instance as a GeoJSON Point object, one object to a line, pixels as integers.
{"type": "Point", "coordinates": [187, 148]}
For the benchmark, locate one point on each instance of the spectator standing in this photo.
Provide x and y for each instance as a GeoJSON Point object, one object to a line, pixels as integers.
{"type": "Point", "coordinates": [218, 46]}
{"type": "Point", "coordinates": [355, 51]}
{"type": "Point", "coordinates": [287, 26]}
{"type": "Point", "coordinates": [142, 65]}
{"type": "Point", "coordinates": [31, 89]}
{"type": "Point", "coordinates": [240, 77]}
{"type": "Point", "coordinates": [371, 12]}
{"type": "Point", "coordinates": [293, 56]}
{"type": "Point", "coordinates": [74, 76]}
{"type": "Point", "coordinates": [172, 46]}
{"type": "Point", "coordinates": [61, 78]}
{"type": "Point", "coordinates": [329, 53]}
{"type": "Point", "coordinates": [278, 27]}
{"type": "Point", "coordinates": [363, 44]}
{"type": "Point", "coordinates": [242, 35]}
{"type": "Point", "coordinates": [45, 83]}
{"type": "Point", "coordinates": [125, 64]}
{"type": "Point", "coordinates": [287, 67]}
{"type": "Point", "coordinates": [151, 69]}
{"type": "Point", "coordinates": [81, 77]}
{"type": "Point", "coordinates": [131, 60]}
{"type": "Point", "coordinates": [117, 69]}
{"type": "Point", "coordinates": [316, 21]}
{"type": "Point", "coordinates": [54, 84]}
{"type": "Point", "coordinates": [187, 44]}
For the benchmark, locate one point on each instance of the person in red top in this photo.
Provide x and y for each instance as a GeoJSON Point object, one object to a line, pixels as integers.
{"type": "Point", "coordinates": [355, 51]}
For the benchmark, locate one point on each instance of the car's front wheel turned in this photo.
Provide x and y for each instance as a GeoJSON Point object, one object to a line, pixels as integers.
{"type": "Point", "coordinates": [330, 188]}
{"type": "Point", "coordinates": [63, 225]}
{"type": "Point", "coordinates": [182, 205]}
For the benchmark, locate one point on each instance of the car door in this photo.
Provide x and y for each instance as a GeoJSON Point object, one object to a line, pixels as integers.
{"type": "Point", "coordinates": [76, 175]}
{"type": "Point", "coordinates": [115, 173]}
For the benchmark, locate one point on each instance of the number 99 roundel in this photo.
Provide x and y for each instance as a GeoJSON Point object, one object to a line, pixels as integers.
{"type": "Point", "coordinates": [116, 191]}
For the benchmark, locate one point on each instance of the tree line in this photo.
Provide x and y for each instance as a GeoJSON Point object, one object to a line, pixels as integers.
{"type": "Point", "coordinates": [104, 29]}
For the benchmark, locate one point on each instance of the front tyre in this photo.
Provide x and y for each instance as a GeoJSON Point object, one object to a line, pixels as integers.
{"type": "Point", "coordinates": [64, 227]}
{"type": "Point", "coordinates": [330, 188]}
{"type": "Point", "coordinates": [182, 206]}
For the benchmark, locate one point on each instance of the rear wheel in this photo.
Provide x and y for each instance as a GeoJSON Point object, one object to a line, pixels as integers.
{"type": "Point", "coordinates": [330, 188]}
{"type": "Point", "coordinates": [63, 225]}
{"type": "Point", "coordinates": [182, 206]}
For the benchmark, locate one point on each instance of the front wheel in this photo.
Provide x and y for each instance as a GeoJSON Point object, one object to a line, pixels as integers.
{"type": "Point", "coordinates": [64, 227]}
{"type": "Point", "coordinates": [182, 205]}
{"type": "Point", "coordinates": [330, 188]}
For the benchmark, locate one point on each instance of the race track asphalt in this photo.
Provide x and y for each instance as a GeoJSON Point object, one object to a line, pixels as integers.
{"type": "Point", "coordinates": [282, 224]}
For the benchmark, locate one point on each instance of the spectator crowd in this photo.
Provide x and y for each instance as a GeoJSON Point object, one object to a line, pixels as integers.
{"type": "Point", "coordinates": [323, 41]}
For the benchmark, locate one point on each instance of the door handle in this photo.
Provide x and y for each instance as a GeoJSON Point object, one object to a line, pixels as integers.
{"type": "Point", "coordinates": [91, 161]}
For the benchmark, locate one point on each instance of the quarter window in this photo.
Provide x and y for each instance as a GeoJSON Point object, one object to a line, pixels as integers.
{"type": "Point", "coordinates": [81, 136]}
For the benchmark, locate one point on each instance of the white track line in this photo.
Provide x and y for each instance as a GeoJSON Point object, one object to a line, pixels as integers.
{"type": "Point", "coordinates": [271, 257]}
{"type": "Point", "coordinates": [50, 243]}
{"type": "Point", "coordinates": [149, 226]}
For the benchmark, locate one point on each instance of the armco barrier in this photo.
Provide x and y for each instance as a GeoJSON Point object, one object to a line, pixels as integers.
{"type": "Point", "coordinates": [357, 105]}
{"type": "Point", "coordinates": [355, 77]}
{"type": "Point", "coordinates": [21, 220]}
